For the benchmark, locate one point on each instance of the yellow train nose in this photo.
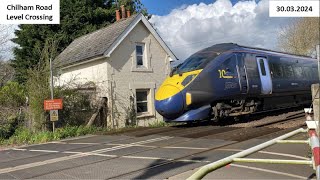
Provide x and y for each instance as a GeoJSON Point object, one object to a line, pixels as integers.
{"type": "Point", "coordinates": [166, 91]}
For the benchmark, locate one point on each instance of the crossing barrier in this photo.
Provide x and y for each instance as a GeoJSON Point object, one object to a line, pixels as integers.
{"type": "Point", "coordinates": [239, 157]}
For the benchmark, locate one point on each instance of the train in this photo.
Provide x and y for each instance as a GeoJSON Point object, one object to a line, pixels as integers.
{"type": "Point", "coordinates": [230, 80]}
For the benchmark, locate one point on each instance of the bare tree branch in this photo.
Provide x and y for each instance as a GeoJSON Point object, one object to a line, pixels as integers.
{"type": "Point", "coordinates": [300, 37]}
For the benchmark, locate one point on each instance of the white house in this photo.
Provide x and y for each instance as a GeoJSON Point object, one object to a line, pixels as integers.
{"type": "Point", "coordinates": [125, 62]}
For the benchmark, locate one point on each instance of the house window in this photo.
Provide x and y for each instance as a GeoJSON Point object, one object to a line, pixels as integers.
{"type": "Point", "coordinates": [140, 55]}
{"type": "Point", "coordinates": [142, 100]}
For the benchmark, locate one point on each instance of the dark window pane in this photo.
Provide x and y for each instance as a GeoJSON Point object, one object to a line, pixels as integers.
{"type": "Point", "coordinates": [139, 50]}
{"type": "Point", "coordinates": [197, 61]}
{"type": "Point", "coordinates": [142, 107]}
{"type": "Point", "coordinates": [277, 71]}
{"type": "Point", "coordinates": [142, 96]}
{"type": "Point", "coordinates": [315, 73]}
{"type": "Point", "coordinates": [298, 72]}
{"type": "Point", "coordinates": [288, 71]}
{"type": "Point", "coordinates": [263, 70]}
{"type": "Point", "coordinates": [139, 60]}
{"type": "Point", "coordinates": [308, 72]}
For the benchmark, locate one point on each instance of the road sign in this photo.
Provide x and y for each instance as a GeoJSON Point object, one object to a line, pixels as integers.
{"type": "Point", "coordinates": [53, 104]}
{"type": "Point", "coordinates": [54, 116]}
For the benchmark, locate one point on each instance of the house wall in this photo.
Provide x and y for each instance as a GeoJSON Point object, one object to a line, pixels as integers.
{"type": "Point", "coordinates": [88, 75]}
{"type": "Point", "coordinates": [125, 77]}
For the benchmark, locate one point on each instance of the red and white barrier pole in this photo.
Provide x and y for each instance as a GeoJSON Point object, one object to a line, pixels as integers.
{"type": "Point", "coordinates": [315, 146]}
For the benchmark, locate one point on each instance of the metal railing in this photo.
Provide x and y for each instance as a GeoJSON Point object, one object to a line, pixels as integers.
{"type": "Point", "coordinates": [238, 157]}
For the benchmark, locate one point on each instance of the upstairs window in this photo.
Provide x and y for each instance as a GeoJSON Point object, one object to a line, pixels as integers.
{"type": "Point", "coordinates": [140, 54]}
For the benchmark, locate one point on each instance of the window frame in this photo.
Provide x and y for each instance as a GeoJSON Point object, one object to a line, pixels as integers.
{"type": "Point", "coordinates": [144, 101]}
{"type": "Point", "coordinates": [142, 45]}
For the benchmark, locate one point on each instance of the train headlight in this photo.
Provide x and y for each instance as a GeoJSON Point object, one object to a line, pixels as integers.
{"type": "Point", "coordinates": [188, 99]}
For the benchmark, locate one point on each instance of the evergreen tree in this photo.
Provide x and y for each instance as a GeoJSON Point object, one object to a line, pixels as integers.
{"type": "Point", "coordinates": [77, 17]}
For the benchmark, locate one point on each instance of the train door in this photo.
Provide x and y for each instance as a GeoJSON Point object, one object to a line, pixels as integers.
{"type": "Point", "coordinates": [242, 74]}
{"type": "Point", "coordinates": [265, 76]}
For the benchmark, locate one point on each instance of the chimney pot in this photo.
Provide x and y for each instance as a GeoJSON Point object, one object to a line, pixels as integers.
{"type": "Point", "coordinates": [123, 12]}
{"type": "Point", "coordinates": [118, 15]}
{"type": "Point", "coordinates": [128, 13]}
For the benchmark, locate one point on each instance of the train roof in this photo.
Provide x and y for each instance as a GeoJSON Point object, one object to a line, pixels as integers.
{"type": "Point", "coordinates": [224, 47]}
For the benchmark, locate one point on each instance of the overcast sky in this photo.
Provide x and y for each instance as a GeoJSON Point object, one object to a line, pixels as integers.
{"type": "Point", "coordinates": [190, 28]}
{"type": "Point", "coordinates": [190, 25]}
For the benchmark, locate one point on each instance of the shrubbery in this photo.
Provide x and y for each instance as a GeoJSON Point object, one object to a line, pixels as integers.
{"type": "Point", "coordinates": [12, 95]}
{"type": "Point", "coordinates": [25, 136]}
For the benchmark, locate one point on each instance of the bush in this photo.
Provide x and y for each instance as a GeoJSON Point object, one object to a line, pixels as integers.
{"type": "Point", "coordinates": [12, 95]}
{"type": "Point", "coordinates": [77, 108]}
{"type": "Point", "coordinates": [25, 136]}
{"type": "Point", "coordinates": [8, 124]}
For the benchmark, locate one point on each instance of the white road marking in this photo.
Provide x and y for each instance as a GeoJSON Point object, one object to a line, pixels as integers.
{"type": "Point", "coordinates": [188, 148]}
{"type": "Point", "coordinates": [269, 171]}
{"type": "Point", "coordinates": [40, 150]}
{"type": "Point", "coordinates": [166, 147]}
{"type": "Point", "coordinates": [55, 160]}
{"type": "Point", "coordinates": [268, 152]}
{"type": "Point", "coordinates": [18, 149]}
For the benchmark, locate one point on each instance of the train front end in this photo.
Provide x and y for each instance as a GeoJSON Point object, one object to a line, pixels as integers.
{"type": "Point", "coordinates": [175, 99]}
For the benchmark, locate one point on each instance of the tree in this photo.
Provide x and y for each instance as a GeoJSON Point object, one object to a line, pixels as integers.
{"type": "Point", "coordinates": [300, 36]}
{"type": "Point", "coordinates": [4, 39]}
{"type": "Point", "coordinates": [6, 72]}
{"type": "Point", "coordinates": [77, 17]}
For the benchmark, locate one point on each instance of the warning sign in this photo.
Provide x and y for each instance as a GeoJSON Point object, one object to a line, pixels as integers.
{"type": "Point", "coordinates": [54, 116]}
{"type": "Point", "coordinates": [53, 104]}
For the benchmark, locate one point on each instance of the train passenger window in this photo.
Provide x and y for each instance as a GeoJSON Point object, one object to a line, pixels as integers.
{"type": "Point", "coordinates": [307, 72]}
{"type": "Point", "coordinates": [277, 70]}
{"type": "Point", "coordinates": [298, 72]}
{"type": "Point", "coordinates": [262, 67]}
{"type": "Point", "coordinates": [288, 71]}
{"type": "Point", "coordinates": [315, 73]}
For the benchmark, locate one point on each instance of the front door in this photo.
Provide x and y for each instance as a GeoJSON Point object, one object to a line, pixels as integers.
{"type": "Point", "coordinates": [242, 73]}
{"type": "Point", "coordinates": [265, 76]}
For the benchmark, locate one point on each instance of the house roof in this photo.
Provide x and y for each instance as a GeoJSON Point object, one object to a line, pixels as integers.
{"type": "Point", "coordinates": [104, 41]}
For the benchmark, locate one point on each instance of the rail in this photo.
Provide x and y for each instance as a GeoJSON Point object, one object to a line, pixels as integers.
{"type": "Point", "coordinates": [238, 157]}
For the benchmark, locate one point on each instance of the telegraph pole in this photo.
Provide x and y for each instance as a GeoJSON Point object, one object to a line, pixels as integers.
{"type": "Point", "coordinates": [51, 89]}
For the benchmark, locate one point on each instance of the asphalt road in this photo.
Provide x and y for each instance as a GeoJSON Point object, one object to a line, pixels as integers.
{"type": "Point", "coordinates": [159, 154]}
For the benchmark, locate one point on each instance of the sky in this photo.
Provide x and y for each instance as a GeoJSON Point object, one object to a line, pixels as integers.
{"type": "Point", "coordinates": [191, 25]}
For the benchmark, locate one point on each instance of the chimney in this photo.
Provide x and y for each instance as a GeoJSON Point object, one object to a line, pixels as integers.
{"type": "Point", "coordinates": [123, 12]}
{"type": "Point", "coordinates": [118, 15]}
{"type": "Point", "coordinates": [128, 13]}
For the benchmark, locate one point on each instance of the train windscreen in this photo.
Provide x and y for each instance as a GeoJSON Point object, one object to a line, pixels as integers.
{"type": "Point", "coordinates": [196, 61]}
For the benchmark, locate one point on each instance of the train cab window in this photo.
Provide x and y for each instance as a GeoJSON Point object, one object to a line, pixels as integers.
{"type": "Point", "coordinates": [307, 72]}
{"type": "Point", "coordinates": [288, 71]}
{"type": "Point", "coordinates": [298, 72]}
{"type": "Point", "coordinates": [277, 71]}
{"type": "Point", "coordinates": [262, 67]}
{"type": "Point", "coordinates": [229, 66]}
